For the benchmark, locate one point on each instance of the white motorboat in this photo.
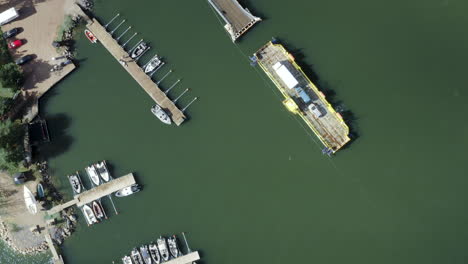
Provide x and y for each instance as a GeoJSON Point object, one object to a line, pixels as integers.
{"type": "Point", "coordinates": [89, 215]}
{"type": "Point", "coordinates": [136, 256]}
{"type": "Point", "coordinates": [128, 190]}
{"type": "Point", "coordinates": [127, 260]}
{"type": "Point", "coordinates": [92, 173]}
{"type": "Point", "coordinates": [154, 252]}
{"type": "Point", "coordinates": [145, 255]}
{"type": "Point", "coordinates": [161, 114]}
{"type": "Point", "coordinates": [153, 64]}
{"type": "Point", "coordinates": [162, 246]}
{"type": "Point", "coordinates": [138, 51]}
{"type": "Point", "coordinates": [75, 183]}
{"type": "Point", "coordinates": [172, 243]}
{"type": "Point", "coordinates": [30, 201]}
{"type": "Point", "coordinates": [103, 171]}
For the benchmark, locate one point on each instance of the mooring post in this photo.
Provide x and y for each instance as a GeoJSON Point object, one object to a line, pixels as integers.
{"type": "Point", "coordinates": [123, 46]}
{"type": "Point", "coordinates": [165, 75]}
{"type": "Point", "coordinates": [186, 90]}
{"type": "Point", "coordinates": [159, 67]}
{"type": "Point", "coordinates": [112, 32]}
{"type": "Point", "coordinates": [172, 86]}
{"type": "Point", "coordinates": [118, 14]}
{"type": "Point", "coordinates": [194, 99]}
{"type": "Point", "coordinates": [124, 32]}
{"type": "Point", "coordinates": [136, 45]}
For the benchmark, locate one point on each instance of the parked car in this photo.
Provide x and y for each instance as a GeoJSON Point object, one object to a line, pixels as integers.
{"type": "Point", "coordinates": [11, 33]}
{"type": "Point", "coordinates": [15, 44]}
{"type": "Point", "coordinates": [24, 59]}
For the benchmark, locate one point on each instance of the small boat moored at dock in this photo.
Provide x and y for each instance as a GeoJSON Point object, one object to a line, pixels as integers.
{"type": "Point", "coordinates": [172, 242]}
{"type": "Point", "coordinates": [154, 252]}
{"type": "Point", "coordinates": [89, 215]}
{"type": "Point", "coordinates": [75, 183]}
{"type": "Point", "coordinates": [127, 260]}
{"type": "Point", "coordinates": [138, 51]}
{"type": "Point", "coordinates": [92, 173]}
{"type": "Point", "coordinates": [162, 246]}
{"type": "Point", "coordinates": [153, 64]}
{"type": "Point", "coordinates": [90, 36]}
{"type": "Point", "coordinates": [98, 210]}
{"type": "Point", "coordinates": [161, 114]}
{"type": "Point", "coordinates": [136, 256]}
{"type": "Point", "coordinates": [145, 254]}
{"type": "Point", "coordinates": [103, 171]}
{"type": "Point", "coordinates": [128, 190]}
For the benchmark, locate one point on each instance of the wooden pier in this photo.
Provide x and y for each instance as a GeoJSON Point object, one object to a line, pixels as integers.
{"type": "Point", "coordinates": [96, 193]}
{"type": "Point", "coordinates": [145, 81]}
{"type": "Point", "coordinates": [238, 20]}
{"type": "Point", "coordinates": [185, 259]}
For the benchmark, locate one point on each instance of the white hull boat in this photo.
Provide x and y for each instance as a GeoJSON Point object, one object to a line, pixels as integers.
{"type": "Point", "coordinates": [145, 255]}
{"type": "Point", "coordinates": [75, 183]}
{"type": "Point", "coordinates": [139, 50]}
{"type": "Point", "coordinates": [154, 252]}
{"type": "Point", "coordinates": [172, 243]}
{"type": "Point", "coordinates": [103, 171]}
{"type": "Point", "coordinates": [30, 201]}
{"type": "Point", "coordinates": [127, 260]}
{"type": "Point", "coordinates": [136, 256]}
{"type": "Point", "coordinates": [153, 64]}
{"type": "Point", "coordinates": [128, 190]}
{"type": "Point", "coordinates": [162, 246]}
{"type": "Point", "coordinates": [89, 215]}
{"type": "Point", "coordinates": [92, 173]}
{"type": "Point", "coordinates": [161, 114]}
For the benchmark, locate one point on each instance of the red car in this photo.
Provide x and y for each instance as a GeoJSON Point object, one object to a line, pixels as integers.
{"type": "Point", "coordinates": [15, 44]}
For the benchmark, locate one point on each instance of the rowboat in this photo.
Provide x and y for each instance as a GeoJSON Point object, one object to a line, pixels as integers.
{"type": "Point", "coordinates": [40, 191]}
{"type": "Point", "coordinates": [98, 210]}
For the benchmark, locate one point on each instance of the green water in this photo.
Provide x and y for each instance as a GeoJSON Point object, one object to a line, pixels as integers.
{"type": "Point", "coordinates": [243, 177]}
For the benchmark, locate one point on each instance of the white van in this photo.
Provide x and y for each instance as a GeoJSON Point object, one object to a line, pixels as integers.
{"type": "Point", "coordinates": [314, 109]}
{"type": "Point", "coordinates": [8, 15]}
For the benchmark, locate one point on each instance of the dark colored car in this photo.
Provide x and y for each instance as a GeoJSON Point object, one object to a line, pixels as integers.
{"type": "Point", "coordinates": [11, 33]}
{"type": "Point", "coordinates": [24, 59]}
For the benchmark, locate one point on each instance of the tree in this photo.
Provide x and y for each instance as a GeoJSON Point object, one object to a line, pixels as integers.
{"type": "Point", "coordinates": [11, 75]}
{"type": "Point", "coordinates": [11, 144]}
{"type": "Point", "coordinates": [5, 105]}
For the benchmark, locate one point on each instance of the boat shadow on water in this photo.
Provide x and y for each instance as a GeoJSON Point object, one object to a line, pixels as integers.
{"type": "Point", "coordinates": [349, 116]}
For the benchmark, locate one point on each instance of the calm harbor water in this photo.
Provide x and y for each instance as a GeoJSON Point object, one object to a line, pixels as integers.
{"type": "Point", "coordinates": [243, 177]}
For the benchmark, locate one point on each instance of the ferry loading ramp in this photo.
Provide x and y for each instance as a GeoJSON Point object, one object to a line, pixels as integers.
{"type": "Point", "coordinates": [302, 97]}
{"type": "Point", "coordinates": [238, 20]}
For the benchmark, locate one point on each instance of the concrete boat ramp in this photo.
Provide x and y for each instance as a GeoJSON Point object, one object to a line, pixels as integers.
{"type": "Point", "coordinates": [96, 193]}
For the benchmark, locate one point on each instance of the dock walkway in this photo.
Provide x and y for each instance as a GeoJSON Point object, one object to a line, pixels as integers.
{"type": "Point", "coordinates": [185, 259]}
{"type": "Point", "coordinates": [55, 256]}
{"type": "Point", "coordinates": [301, 94]}
{"type": "Point", "coordinates": [238, 20]}
{"type": "Point", "coordinates": [145, 81]}
{"type": "Point", "coordinates": [96, 193]}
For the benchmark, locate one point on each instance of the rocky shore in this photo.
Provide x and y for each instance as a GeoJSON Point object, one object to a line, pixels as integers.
{"type": "Point", "coordinates": [7, 237]}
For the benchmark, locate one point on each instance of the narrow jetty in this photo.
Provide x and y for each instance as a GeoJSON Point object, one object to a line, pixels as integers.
{"type": "Point", "coordinates": [57, 259]}
{"type": "Point", "coordinates": [302, 96]}
{"type": "Point", "coordinates": [96, 193]}
{"type": "Point", "coordinates": [185, 259]}
{"type": "Point", "coordinates": [145, 81]}
{"type": "Point", "coordinates": [238, 20]}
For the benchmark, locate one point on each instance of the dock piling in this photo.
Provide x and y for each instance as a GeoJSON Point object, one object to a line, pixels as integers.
{"type": "Point", "coordinates": [193, 100]}
{"type": "Point", "coordinates": [113, 205]}
{"type": "Point", "coordinates": [123, 21]}
{"type": "Point", "coordinates": [143, 53]}
{"type": "Point", "coordinates": [172, 86]}
{"type": "Point", "coordinates": [123, 46]}
{"type": "Point", "coordinates": [175, 100]}
{"type": "Point", "coordinates": [124, 33]}
{"type": "Point", "coordinates": [186, 243]}
{"type": "Point", "coordinates": [105, 26]}
{"type": "Point", "coordinates": [165, 75]}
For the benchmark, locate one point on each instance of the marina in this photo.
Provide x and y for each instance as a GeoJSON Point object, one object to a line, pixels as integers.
{"type": "Point", "coordinates": [129, 60]}
{"type": "Point", "coordinates": [302, 97]}
{"type": "Point", "coordinates": [238, 19]}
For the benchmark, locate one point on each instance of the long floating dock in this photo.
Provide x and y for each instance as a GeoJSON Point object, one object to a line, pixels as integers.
{"type": "Point", "coordinates": [135, 71]}
{"type": "Point", "coordinates": [238, 20]}
{"type": "Point", "coordinates": [96, 193]}
{"type": "Point", "coordinates": [303, 97]}
{"type": "Point", "coordinates": [185, 259]}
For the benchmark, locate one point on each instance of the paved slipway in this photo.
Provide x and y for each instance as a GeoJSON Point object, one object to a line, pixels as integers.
{"type": "Point", "coordinates": [242, 177]}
